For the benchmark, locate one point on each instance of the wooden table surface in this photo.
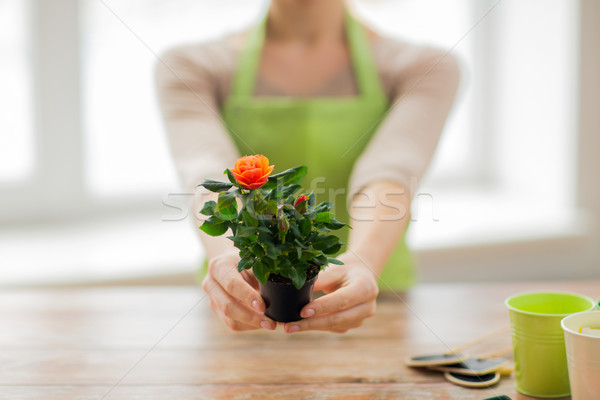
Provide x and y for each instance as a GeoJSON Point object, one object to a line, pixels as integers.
{"type": "Point", "coordinates": [165, 343]}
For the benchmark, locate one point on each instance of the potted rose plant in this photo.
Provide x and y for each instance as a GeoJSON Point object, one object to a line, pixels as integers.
{"type": "Point", "coordinates": [281, 233]}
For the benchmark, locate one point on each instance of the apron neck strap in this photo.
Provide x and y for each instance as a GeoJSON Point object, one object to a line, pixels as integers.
{"type": "Point", "coordinates": [247, 68]}
{"type": "Point", "coordinates": [363, 63]}
{"type": "Point", "coordinates": [365, 71]}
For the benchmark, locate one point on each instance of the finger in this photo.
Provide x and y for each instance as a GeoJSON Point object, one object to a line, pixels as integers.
{"type": "Point", "coordinates": [237, 326]}
{"type": "Point", "coordinates": [337, 322]}
{"type": "Point", "coordinates": [234, 284]}
{"type": "Point", "coordinates": [329, 280]}
{"type": "Point", "coordinates": [342, 299]}
{"type": "Point", "coordinates": [250, 278]}
{"type": "Point", "coordinates": [236, 315]}
{"type": "Point", "coordinates": [233, 325]}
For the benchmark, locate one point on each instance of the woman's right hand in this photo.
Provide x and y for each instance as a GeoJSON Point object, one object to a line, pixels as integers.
{"type": "Point", "coordinates": [234, 296]}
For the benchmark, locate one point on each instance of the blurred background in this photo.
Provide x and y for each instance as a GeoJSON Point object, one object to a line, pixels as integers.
{"type": "Point", "coordinates": [89, 195]}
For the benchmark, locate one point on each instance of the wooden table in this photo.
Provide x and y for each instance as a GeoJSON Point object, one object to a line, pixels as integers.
{"type": "Point", "coordinates": [165, 343]}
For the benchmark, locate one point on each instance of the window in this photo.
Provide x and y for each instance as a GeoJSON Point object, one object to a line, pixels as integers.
{"type": "Point", "coordinates": [524, 85]}
{"type": "Point", "coordinates": [90, 146]}
{"type": "Point", "coordinates": [126, 148]}
{"type": "Point", "coordinates": [117, 125]}
{"type": "Point", "coordinates": [442, 24]}
{"type": "Point", "coordinates": [16, 138]}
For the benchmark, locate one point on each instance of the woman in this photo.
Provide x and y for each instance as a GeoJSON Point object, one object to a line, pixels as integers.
{"type": "Point", "coordinates": [311, 86]}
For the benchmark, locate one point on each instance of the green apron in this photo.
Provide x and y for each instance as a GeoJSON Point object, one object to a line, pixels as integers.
{"type": "Point", "coordinates": [325, 134]}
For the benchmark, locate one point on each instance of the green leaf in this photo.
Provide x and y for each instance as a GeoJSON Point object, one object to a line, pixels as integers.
{"type": "Point", "coordinates": [261, 271]}
{"type": "Point", "coordinates": [271, 207]}
{"type": "Point", "coordinates": [208, 208]}
{"type": "Point", "coordinates": [324, 217]}
{"type": "Point", "coordinates": [324, 206]}
{"type": "Point", "coordinates": [272, 250]}
{"type": "Point", "coordinates": [216, 186]}
{"type": "Point", "coordinates": [284, 267]}
{"type": "Point", "coordinates": [275, 194]}
{"type": "Point", "coordinates": [300, 244]}
{"type": "Point", "coordinates": [325, 241]}
{"type": "Point", "coordinates": [225, 200]}
{"type": "Point", "coordinates": [258, 250]}
{"type": "Point", "coordinates": [335, 224]}
{"type": "Point", "coordinates": [246, 231]}
{"type": "Point", "coordinates": [333, 249]}
{"type": "Point", "coordinates": [291, 211]}
{"type": "Point", "coordinates": [290, 190]}
{"type": "Point", "coordinates": [231, 177]}
{"type": "Point", "coordinates": [232, 225]}
{"type": "Point", "coordinates": [320, 260]}
{"type": "Point", "coordinates": [229, 213]}
{"type": "Point", "coordinates": [287, 177]}
{"type": "Point", "coordinates": [265, 232]}
{"type": "Point", "coordinates": [214, 226]}
{"type": "Point", "coordinates": [305, 226]}
{"type": "Point", "coordinates": [307, 255]}
{"type": "Point", "coordinates": [226, 207]}
{"type": "Point", "coordinates": [241, 242]}
{"type": "Point", "coordinates": [298, 276]}
{"type": "Point", "coordinates": [245, 254]}
{"type": "Point", "coordinates": [245, 264]}
{"type": "Point", "coordinates": [332, 260]}
{"type": "Point", "coordinates": [295, 231]}
{"type": "Point", "coordinates": [297, 215]}
{"type": "Point", "coordinates": [249, 218]}
{"type": "Point", "coordinates": [262, 208]}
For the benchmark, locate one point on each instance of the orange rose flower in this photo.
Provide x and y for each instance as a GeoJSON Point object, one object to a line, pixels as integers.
{"type": "Point", "coordinates": [251, 172]}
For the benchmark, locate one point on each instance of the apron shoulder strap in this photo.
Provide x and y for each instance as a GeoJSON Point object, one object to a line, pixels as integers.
{"type": "Point", "coordinates": [247, 66]}
{"type": "Point", "coordinates": [365, 70]}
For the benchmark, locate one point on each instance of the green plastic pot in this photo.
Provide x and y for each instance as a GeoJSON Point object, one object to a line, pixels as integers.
{"type": "Point", "coordinates": [538, 340]}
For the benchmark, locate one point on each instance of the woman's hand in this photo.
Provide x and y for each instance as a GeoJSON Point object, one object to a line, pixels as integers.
{"type": "Point", "coordinates": [234, 296]}
{"type": "Point", "coordinates": [351, 293]}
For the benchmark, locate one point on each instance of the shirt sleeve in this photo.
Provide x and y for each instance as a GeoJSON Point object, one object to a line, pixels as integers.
{"type": "Point", "coordinates": [186, 83]}
{"type": "Point", "coordinates": [424, 85]}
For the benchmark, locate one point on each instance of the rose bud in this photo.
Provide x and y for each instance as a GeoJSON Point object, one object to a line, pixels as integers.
{"type": "Point", "coordinates": [284, 224]}
{"type": "Point", "coordinates": [300, 204]}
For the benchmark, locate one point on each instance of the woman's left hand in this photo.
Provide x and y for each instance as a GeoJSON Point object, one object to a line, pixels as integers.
{"type": "Point", "coordinates": [351, 291]}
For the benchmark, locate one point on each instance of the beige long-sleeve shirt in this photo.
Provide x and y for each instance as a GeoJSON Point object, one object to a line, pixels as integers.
{"type": "Point", "coordinates": [420, 82]}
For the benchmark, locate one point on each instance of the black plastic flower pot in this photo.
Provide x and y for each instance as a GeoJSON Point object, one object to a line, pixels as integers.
{"type": "Point", "coordinates": [283, 301]}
